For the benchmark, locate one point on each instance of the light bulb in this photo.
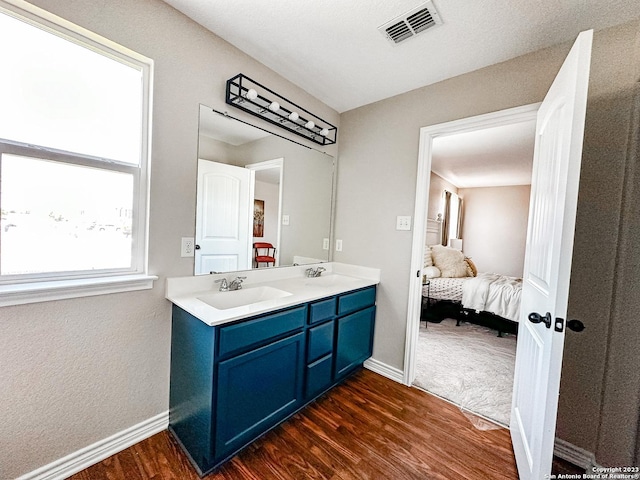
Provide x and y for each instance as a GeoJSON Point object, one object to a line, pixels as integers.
{"type": "Point", "coordinates": [274, 107]}
{"type": "Point", "coordinates": [293, 116]}
{"type": "Point", "coordinates": [252, 94]}
{"type": "Point", "coordinates": [324, 132]}
{"type": "Point", "coordinates": [310, 125]}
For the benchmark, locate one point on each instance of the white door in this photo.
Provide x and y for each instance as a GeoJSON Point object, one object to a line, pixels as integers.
{"type": "Point", "coordinates": [554, 194]}
{"type": "Point", "coordinates": [224, 218]}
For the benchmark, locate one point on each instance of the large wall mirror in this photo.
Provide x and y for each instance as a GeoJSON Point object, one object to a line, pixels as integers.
{"type": "Point", "coordinates": [256, 188]}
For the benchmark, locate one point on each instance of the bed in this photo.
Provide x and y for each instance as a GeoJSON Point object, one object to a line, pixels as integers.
{"type": "Point", "coordinates": [452, 288]}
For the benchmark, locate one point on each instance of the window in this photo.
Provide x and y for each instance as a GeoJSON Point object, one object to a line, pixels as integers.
{"type": "Point", "coordinates": [73, 160]}
{"type": "Point", "coordinates": [451, 218]}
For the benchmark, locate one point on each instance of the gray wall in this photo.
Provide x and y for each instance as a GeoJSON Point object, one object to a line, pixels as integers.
{"type": "Point", "coordinates": [78, 371]}
{"type": "Point", "coordinates": [494, 227]}
{"type": "Point", "coordinates": [383, 137]}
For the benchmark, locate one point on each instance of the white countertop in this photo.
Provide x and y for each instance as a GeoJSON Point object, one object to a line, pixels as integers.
{"type": "Point", "coordinates": [186, 292]}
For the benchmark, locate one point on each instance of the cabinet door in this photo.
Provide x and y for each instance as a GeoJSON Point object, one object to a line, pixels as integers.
{"type": "Point", "coordinates": [256, 390]}
{"type": "Point", "coordinates": [355, 340]}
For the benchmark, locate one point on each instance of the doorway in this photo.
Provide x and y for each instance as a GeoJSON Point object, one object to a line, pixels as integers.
{"type": "Point", "coordinates": [426, 198]}
{"type": "Point", "coordinates": [268, 203]}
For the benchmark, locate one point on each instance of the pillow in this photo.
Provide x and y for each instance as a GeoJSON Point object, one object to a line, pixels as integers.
{"type": "Point", "coordinates": [450, 261]}
{"type": "Point", "coordinates": [428, 261]}
{"type": "Point", "coordinates": [431, 272]}
{"type": "Point", "coordinates": [471, 267]}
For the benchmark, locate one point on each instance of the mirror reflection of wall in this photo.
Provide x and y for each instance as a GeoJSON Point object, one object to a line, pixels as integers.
{"type": "Point", "coordinates": [267, 208]}
{"type": "Point", "coordinates": [294, 182]}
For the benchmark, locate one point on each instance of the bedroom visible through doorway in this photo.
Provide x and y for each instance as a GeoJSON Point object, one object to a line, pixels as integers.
{"type": "Point", "coordinates": [463, 349]}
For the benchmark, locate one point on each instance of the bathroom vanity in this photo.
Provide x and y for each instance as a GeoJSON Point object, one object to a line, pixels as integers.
{"type": "Point", "coordinates": [241, 367]}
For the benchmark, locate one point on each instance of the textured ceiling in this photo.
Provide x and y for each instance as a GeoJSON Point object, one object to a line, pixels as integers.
{"type": "Point", "coordinates": [333, 50]}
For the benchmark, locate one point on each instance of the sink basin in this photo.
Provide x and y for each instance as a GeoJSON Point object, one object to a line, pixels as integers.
{"type": "Point", "coordinates": [241, 298]}
{"type": "Point", "coordinates": [331, 280]}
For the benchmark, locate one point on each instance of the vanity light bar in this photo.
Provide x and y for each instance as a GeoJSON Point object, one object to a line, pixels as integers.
{"type": "Point", "coordinates": [249, 95]}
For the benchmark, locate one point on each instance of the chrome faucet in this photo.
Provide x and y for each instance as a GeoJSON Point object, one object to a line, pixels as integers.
{"type": "Point", "coordinates": [236, 283]}
{"type": "Point", "coordinates": [314, 272]}
{"type": "Point", "coordinates": [226, 286]}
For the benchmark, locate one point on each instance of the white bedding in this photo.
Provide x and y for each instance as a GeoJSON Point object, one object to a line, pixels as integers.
{"type": "Point", "coordinates": [494, 293]}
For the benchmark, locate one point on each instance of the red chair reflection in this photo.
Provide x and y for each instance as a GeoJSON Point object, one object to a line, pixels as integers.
{"type": "Point", "coordinates": [263, 252]}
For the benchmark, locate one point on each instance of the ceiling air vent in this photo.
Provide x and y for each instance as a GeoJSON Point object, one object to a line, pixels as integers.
{"type": "Point", "coordinates": [411, 23]}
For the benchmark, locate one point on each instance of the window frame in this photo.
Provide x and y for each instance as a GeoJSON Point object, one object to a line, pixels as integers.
{"type": "Point", "coordinates": [30, 288]}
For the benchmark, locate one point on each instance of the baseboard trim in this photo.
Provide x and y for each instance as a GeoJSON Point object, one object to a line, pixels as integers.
{"type": "Point", "coordinates": [92, 454]}
{"type": "Point", "coordinates": [576, 455]}
{"type": "Point", "coordinates": [385, 370]}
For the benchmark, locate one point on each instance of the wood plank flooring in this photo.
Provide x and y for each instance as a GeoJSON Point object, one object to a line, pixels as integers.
{"type": "Point", "coordinates": [369, 427]}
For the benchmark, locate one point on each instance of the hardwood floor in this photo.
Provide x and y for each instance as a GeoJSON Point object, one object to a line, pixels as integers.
{"type": "Point", "coordinates": [369, 427]}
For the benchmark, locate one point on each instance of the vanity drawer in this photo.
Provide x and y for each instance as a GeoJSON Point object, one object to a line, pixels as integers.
{"type": "Point", "coordinates": [236, 337]}
{"type": "Point", "coordinates": [355, 301]}
{"type": "Point", "coordinates": [319, 376]}
{"type": "Point", "coordinates": [320, 341]}
{"type": "Point", "coordinates": [322, 310]}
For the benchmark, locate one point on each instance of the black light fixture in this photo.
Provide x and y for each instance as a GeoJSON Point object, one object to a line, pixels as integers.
{"type": "Point", "coordinates": [258, 100]}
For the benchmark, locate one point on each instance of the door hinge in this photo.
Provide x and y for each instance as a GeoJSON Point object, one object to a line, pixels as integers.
{"type": "Point", "coordinates": [418, 274]}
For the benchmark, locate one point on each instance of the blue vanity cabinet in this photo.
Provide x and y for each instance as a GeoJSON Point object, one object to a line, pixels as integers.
{"type": "Point", "coordinates": [257, 390]}
{"type": "Point", "coordinates": [233, 382]}
{"type": "Point", "coordinates": [354, 330]}
{"type": "Point", "coordinates": [191, 386]}
{"type": "Point", "coordinates": [320, 340]}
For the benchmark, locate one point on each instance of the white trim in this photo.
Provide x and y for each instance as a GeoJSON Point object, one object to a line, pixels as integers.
{"type": "Point", "coordinates": [92, 454]}
{"type": "Point", "coordinates": [576, 455]}
{"type": "Point", "coordinates": [417, 255]}
{"type": "Point", "coordinates": [22, 293]}
{"type": "Point", "coordinates": [383, 369]}
{"type": "Point", "coordinates": [427, 134]}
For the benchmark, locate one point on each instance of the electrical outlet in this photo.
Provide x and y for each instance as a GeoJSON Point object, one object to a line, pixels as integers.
{"type": "Point", "coordinates": [338, 245]}
{"type": "Point", "coordinates": [285, 219]}
{"type": "Point", "coordinates": [403, 223]}
{"type": "Point", "coordinates": [188, 247]}
{"type": "Point", "coordinates": [325, 244]}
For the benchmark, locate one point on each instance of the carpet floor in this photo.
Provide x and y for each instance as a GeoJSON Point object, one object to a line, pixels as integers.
{"type": "Point", "coordinates": [468, 365]}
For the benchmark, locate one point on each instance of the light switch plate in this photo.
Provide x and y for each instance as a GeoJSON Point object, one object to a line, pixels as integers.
{"type": "Point", "coordinates": [285, 219]}
{"type": "Point", "coordinates": [403, 222]}
{"type": "Point", "coordinates": [338, 245]}
{"type": "Point", "coordinates": [325, 244]}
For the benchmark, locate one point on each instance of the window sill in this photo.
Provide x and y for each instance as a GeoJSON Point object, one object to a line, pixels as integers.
{"type": "Point", "coordinates": [19, 294]}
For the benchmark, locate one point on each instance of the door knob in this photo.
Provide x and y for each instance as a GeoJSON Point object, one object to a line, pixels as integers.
{"type": "Point", "coordinates": [535, 317]}
{"type": "Point", "coordinates": [575, 325]}
{"type": "Point", "coordinates": [197, 247]}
